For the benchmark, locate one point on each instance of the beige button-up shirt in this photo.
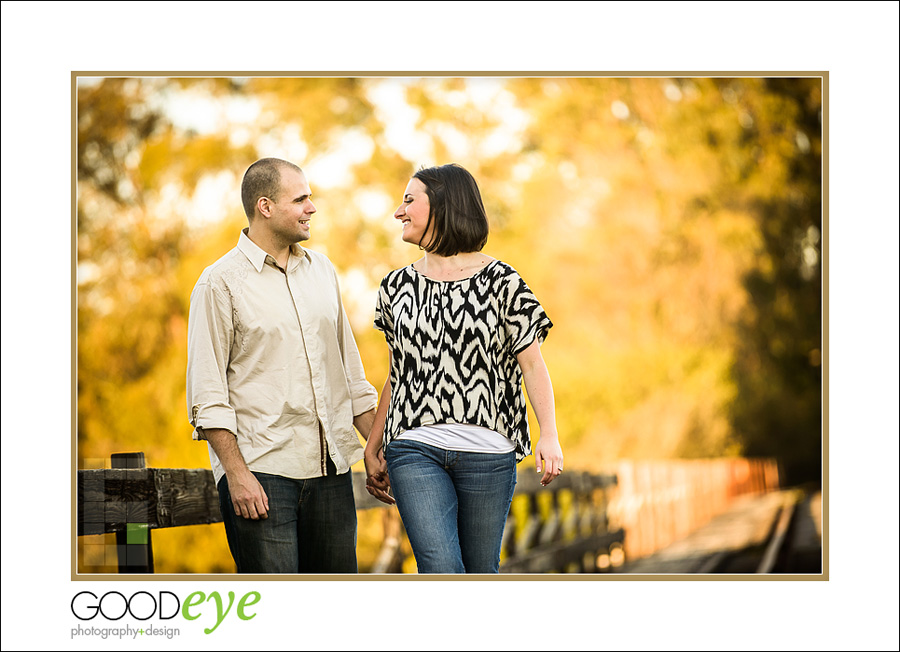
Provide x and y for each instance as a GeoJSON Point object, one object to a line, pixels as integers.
{"type": "Point", "coordinates": [272, 359]}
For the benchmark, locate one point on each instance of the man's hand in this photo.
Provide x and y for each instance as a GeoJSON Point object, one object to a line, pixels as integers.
{"type": "Point", "coordinates": [247, 495]}
{"type": "Point", "coordinates": [378, 483]}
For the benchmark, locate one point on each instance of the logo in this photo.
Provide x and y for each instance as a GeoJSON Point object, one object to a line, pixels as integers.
{"type": "Point", "coordinates": [165, 605]}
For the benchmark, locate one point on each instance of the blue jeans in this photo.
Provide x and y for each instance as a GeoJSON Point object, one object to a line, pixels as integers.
{"type": "Point", "coordinates": [453, 504]}
{"type": "Point", "coordinates": [311, 526]}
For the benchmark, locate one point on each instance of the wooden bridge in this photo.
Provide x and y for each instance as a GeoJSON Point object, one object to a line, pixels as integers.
{"type": "Point", "coordinates": [582, 523]}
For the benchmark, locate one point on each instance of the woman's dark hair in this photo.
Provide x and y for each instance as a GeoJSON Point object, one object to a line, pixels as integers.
{"type": "Point", "coordinates": [457, 212]}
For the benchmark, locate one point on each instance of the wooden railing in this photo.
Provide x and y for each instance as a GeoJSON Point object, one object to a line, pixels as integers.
{"type": "Point", "coordinates": [658, 502]}
{"type": "Point", "coordinates": [560, 528]}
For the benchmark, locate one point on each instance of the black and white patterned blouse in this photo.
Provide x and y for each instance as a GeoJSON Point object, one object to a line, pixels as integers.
{"type": "Point", "coordinates": [454, 347]}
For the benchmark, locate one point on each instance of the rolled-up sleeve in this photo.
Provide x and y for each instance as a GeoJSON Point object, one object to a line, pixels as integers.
{"type": "Point", "coordinates": [210, 337]}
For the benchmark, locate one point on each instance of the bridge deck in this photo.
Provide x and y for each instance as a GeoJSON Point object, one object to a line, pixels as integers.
{"type": "Point", "coordinates": [735, 541]}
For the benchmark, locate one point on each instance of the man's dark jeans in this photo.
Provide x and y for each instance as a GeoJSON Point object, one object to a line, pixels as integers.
{"type": "Point", "coordinates": [311, 526]}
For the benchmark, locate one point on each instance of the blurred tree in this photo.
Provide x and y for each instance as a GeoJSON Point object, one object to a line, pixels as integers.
{"type": "Point", "coordinates": [132, 310]}
{"type": "Point", "coordinates": [645, 283]}
{"type": "Point", "coordinates": [677, 222]}
{"type": "Point", "coordinates": [778, 368]}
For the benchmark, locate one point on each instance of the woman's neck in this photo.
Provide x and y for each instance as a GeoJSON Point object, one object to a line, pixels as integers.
{"type": "Point", "coordinates": [452, 268]}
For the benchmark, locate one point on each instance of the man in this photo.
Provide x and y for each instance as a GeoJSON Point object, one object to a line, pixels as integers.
{"type": "Point", "coordinates": [275, 386]}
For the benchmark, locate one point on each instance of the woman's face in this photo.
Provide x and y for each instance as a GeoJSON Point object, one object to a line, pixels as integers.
{"type": "Point", "coordinates": [413, 213]}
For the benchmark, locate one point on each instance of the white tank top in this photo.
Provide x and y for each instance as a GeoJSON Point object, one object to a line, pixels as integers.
{"type": "Point", "coordinates": [460, 437]}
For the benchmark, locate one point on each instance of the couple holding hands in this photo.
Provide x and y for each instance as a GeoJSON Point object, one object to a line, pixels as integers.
{"type": "Point", "coordinates": [275, 384]}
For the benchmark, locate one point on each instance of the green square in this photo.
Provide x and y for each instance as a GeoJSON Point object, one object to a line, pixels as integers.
{"type": "Point", "coordinates": [136, 533]}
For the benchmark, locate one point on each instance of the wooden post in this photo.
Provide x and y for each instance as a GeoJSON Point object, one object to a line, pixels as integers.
{"type": "Point", "coordinates": [133, 543]}
{"type": "Point", "coordinates": [390, 556]}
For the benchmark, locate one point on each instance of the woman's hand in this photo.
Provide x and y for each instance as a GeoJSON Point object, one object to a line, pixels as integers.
{"type": "Point", "coordinates": [378, 483]}
{"type": "Point", "coordinates": [548, 455]}
{"type": "Point", "coordinates": [548, 458]}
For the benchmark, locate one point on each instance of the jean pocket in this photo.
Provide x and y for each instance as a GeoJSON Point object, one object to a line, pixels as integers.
{"type": "Point", "coordinates": [402, 452]}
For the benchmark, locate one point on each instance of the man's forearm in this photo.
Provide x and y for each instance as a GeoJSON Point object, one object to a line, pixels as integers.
{"type": "Point", "coordinates": [247, 495]}
{"type": "Point", "coordinates": [224, 443]}
{"type": "Point", "coordinates": [364, 422]}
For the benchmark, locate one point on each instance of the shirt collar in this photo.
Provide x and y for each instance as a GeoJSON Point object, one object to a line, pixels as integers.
{"type": "Point", "coordinates": [258, 257]}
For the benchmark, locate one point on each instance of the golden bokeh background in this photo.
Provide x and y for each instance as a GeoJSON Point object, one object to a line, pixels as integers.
{"type": "Point", "coordinates": [671, 227]}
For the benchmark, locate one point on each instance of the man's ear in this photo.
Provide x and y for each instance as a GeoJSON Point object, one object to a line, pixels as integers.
{"type": "Point", "coordinates": [264, 206]}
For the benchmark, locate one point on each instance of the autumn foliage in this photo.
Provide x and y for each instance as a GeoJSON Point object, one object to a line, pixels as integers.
{"type": "Point", "coordinates": [672, 228]}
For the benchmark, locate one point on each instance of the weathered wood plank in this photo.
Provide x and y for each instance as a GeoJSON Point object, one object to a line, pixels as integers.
{"type": "Point", "coordinates": [110, 499]}
{"type": "Point", "coordinates": [191, 497]}
{"type": "Point", "coordinates": [160, 497]}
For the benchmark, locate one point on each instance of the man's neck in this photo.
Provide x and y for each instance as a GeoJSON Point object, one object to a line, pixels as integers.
{"type": "Point", "coordinates": [280, 251]}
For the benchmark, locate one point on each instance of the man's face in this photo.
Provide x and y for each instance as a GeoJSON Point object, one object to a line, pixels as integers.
{"type": "Point", "coordinates": [293, 208]}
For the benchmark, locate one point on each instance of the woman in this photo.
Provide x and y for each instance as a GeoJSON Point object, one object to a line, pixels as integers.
{"type": "Point", "coordinates": [463, 331]}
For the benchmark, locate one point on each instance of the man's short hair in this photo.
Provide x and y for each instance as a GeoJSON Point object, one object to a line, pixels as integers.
{"type": "Point", "coordinates": [457, 212]}
{"type": "Point", "coordinates": [263, 179]}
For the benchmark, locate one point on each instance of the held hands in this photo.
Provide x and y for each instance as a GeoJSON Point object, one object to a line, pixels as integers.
{"type": "Point", "coordinates": [247, 495]}
{"type": "Point", "coordinates": [377, 482]}
{"type": "Point", "coordinates": [548, 458]}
